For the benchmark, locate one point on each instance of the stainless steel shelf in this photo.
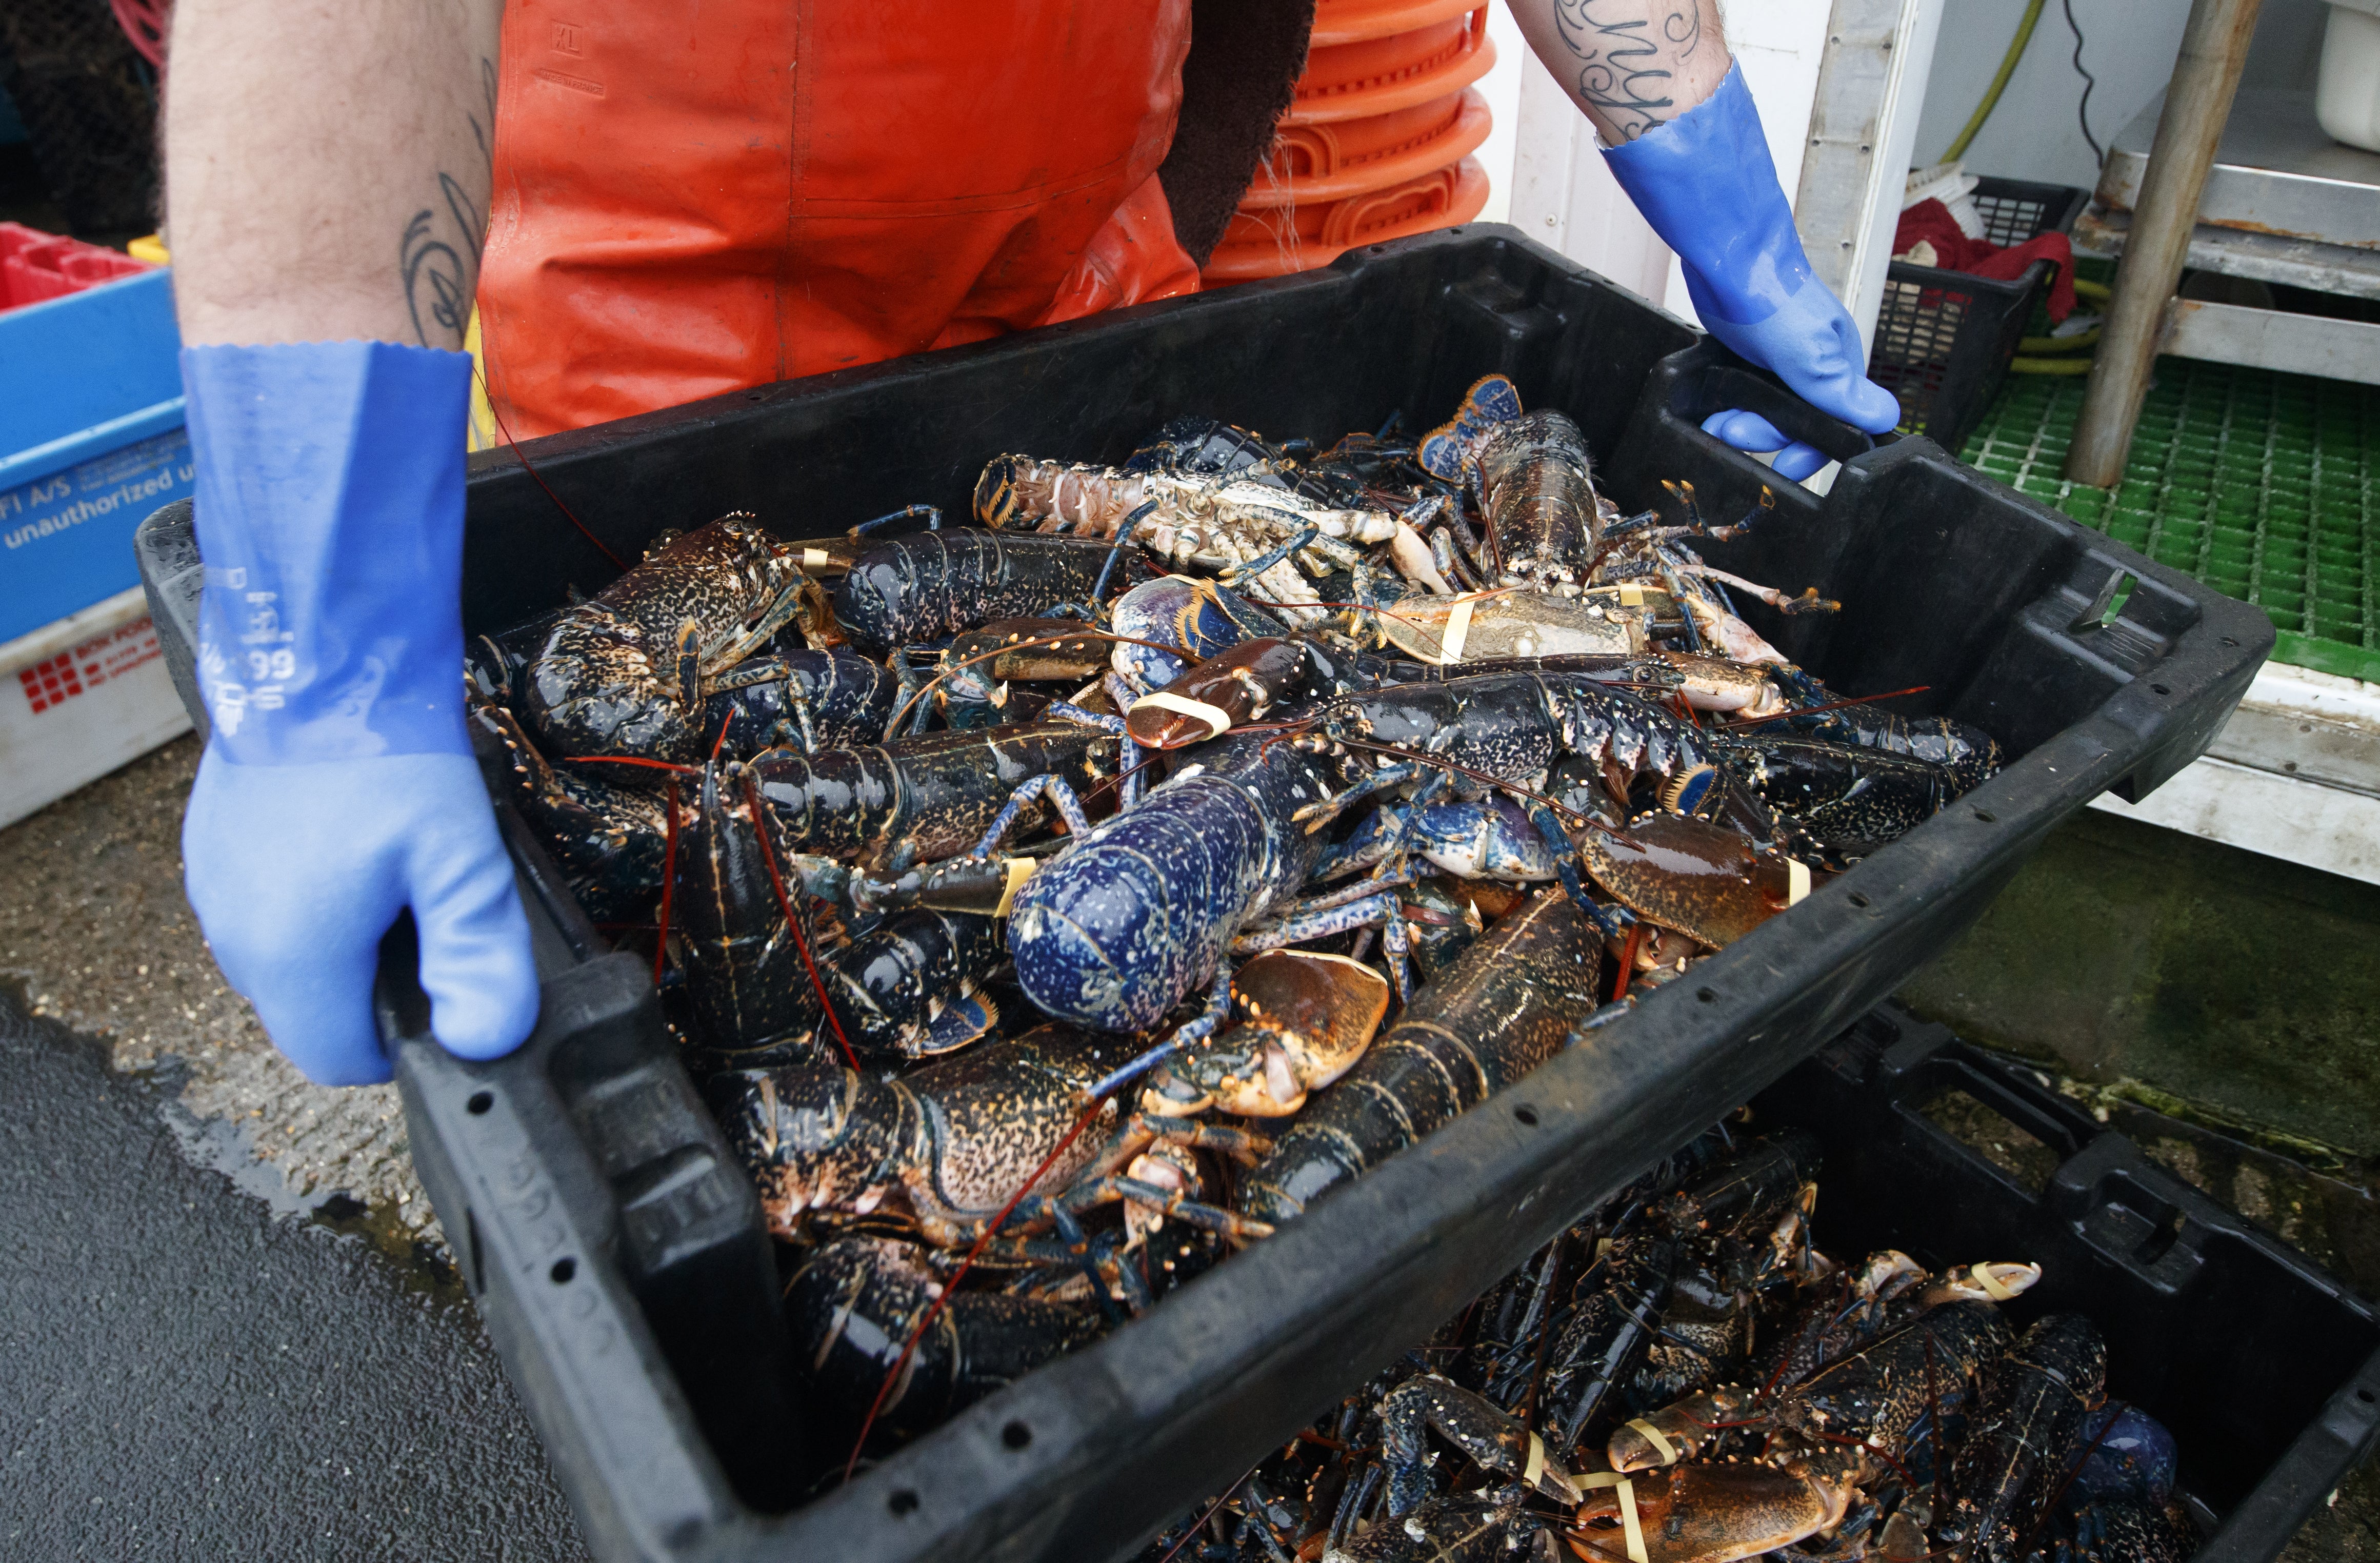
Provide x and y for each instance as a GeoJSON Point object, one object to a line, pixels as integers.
{"type": "Point", "coordinates": [2276, 174]}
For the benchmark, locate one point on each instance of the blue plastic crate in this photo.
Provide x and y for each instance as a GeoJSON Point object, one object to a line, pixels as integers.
{"type": "Point", "coordinates": [90, 441]}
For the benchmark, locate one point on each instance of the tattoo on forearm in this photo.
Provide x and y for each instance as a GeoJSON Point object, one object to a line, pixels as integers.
{"type": "Point", "coordinates": [1626, 50]}
{"type": "Point", "coordinates": [438, 256]}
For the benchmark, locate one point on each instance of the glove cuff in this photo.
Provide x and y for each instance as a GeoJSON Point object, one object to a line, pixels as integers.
{"type": "Point", "coordinates": [329, 510]}
{"type": "Point", "coordinates": [1707, 184]}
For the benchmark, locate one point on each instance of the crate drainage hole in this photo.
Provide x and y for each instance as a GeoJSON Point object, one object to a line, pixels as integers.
{"type": "Point", "coordinates": [1859, 900]}
{"type": "Point", "coordinates": [1987, 818]}
{"type": "Point", "coordinates": [1708, 996]}
{"type": "Point", "coordinates": [903, 1501]}
{"type": "Point", "coordinates": [562, 1270]}
{"type": "Point", "coordinates": [2366, 1396]}
{"type": "Point", "coordinates": [480, 1102]}
{"type": "Point", "coordinates": [1992, 1136]}
{"type": "Point", "coordinates": [1016, 1435]}
{"type": "Point", "coordinates": [1526, 1115]}
{"type": "Point", "coordinates": [2159, 689]}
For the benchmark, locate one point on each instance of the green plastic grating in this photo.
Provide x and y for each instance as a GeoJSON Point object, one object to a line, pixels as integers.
{"type": "Point", "coordinates": [2262, 485]}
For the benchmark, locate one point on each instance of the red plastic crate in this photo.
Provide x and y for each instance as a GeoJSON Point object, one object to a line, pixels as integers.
{"type": "Point", "coordinates": [35, 266]}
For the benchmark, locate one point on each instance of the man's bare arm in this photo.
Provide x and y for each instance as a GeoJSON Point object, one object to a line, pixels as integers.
{"type": "Point", "coordinates": [327, 167]}
{"type": "Point", "coordinates": [1629, 64]}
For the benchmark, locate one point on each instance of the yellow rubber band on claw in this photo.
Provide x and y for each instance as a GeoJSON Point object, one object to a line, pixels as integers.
{"type": "Point", "coordinates": [1993, 1287]}
{"type": "Point", "coordinates": [1018, 870]}
{"type": "Point", "coordinates": [1218, 719]}
{"type": "Point", "coordinates": [1458, 629]}
{"type": "Point", "coordinates": [1658, 1439]}
{"type": "Point", "coordinates": [1797, 881]}
{"type": "Point", "coordinates": [1624, 1490]}
{"type": "Point", "coordinates": [1536, 1465]}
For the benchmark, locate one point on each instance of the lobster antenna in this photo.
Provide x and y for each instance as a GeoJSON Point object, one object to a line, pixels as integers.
{"type": "Point", "coordinates": [1832, 706]}
{"type": "Point", "coordinates": [784, 903]}
{"type": "Point", "coordinates": [675, 769]}
{"type": "Point", "coordinates": [518, 455]}
{"type": "Point", "coordinates": [669, 879]}
{"type": "Point", "coordinates": [921, 690]}
{"type": "Point", "coordinates": [950, 1287]}
{"type": "Point", "coordinates": [1212, 1510]}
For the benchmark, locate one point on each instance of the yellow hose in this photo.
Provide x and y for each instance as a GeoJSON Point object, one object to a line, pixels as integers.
{"type": "Point", "coordinates": [2073, 344]}
{"type": "Point", "coordinates": [1999, 82]}
{"type": "Point", "coordinates": [2030, 348]}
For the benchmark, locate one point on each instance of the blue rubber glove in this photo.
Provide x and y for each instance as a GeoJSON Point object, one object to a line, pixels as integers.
{"type": "Point", "coordinates": [1706, 183]}
{"type": "Point", "coordinates": [337, 786]}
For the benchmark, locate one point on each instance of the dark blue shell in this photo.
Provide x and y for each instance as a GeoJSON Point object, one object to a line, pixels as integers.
{"type": "Point", "coordinates": [2135, 1458]}
{"type": "Point", "coordinates": [1115, 932]}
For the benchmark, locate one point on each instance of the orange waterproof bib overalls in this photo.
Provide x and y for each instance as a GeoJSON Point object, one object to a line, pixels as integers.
{"type": "Point", "coordinates": [695, 197]}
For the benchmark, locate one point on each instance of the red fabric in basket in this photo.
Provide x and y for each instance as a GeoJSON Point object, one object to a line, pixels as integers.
{"type": "Point", "coordinates": [1954, 252]}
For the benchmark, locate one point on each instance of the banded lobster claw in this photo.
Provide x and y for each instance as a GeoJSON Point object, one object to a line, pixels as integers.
{"type": "Point", "coordinates": [1307, 1018]}
{"type": "Point", "coordinates": [1702, 879]}
{"type": "Point", "coordinates": [1700, 1513]}
{"type": "Point", "coordinates": [1226, 691]}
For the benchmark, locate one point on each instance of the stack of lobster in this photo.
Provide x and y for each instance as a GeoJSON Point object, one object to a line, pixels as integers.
{"type": "Point", "coordinates": [1430, 759]}
{"type": "Point", "coordinates": [1682, 1378]}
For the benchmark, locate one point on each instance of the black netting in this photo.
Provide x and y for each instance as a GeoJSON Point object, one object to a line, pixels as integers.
{"type": "Point", "coordinates": [87, 101]}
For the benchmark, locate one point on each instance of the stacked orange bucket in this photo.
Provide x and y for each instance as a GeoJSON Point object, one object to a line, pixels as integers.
{"type": "Point", "coordinates": [1376, 142]}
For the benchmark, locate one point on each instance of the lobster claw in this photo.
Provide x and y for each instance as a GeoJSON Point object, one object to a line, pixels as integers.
{"type": "Point", "coordinates": [1700, 1513]}
{"type": "Point", "coordinates": [1306, 1019]}
{"type": "Point", "coordinates": [1704, 880]}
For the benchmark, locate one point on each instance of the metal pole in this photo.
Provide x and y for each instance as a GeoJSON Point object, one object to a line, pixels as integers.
{"type": "Point", "coordinates": [2197, 102]}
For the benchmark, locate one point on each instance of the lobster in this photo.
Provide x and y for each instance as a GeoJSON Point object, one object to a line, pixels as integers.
{"type": "Point", "coordinates": [2034, 1405]}
{"type": "Point", "coordinates": [948, 1145]}
{"type": "Point", "coordinates": [1506, 1006]}
{"type": "Point", "coordinates": [919, 799]}
{"type": "Point", "coordinates": [1847, 799]}
{"type": "Point", "coordinates": [1115, 931]}
{"type": "Point", "coordinates": [1532, 474]}
{"type": "Point", "coordinates": [905, 989]}
{"type": "Point", "coordinates": [856, 1301]}
{"type": "Point", "coordinates": [931, 585]}
{"type": "Point", "coordinates": [632, 669]}
{"type": "Point", "coordinates": [610, 840]}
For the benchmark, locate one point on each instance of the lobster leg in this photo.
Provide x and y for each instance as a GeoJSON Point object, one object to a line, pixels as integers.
{"type": "Point", "coordinates": [1234, 574]}
{"type": "Point", "coordinates": [1369, 847]}
{"type": "Point", "coordinates": [1371, 912]}
{"type": "Point", "coordinates": [1189, 1034]}
{"type": "Point", "coordinates": [1070, 809]}
{"type": "Point", "coordinates": [927, 513]}
{"type": "Point", "coordinates": [1164, 1202]}
{"type": "Point", "coordinates": [1612, 920]}
{"type": "Point", "coordinates": [1067, 711]}
{"type": "Point", "coordinates": [1316, 815]}
{"type": "Point", "coordinates": [1396, 944]}
{"type": "Point", "coordinates": [912, 692]}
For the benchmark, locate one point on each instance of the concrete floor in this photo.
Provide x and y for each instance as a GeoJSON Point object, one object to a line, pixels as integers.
{"type": "Point", "coordinates": [228, 1325]}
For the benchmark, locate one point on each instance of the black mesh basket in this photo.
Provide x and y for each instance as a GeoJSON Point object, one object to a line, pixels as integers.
{"type": "Point", "coordinates": [1943, 338]}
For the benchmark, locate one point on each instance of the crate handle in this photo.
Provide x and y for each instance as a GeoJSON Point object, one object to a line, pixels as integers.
{"type": "Point", "coordinates": [1715, 380]}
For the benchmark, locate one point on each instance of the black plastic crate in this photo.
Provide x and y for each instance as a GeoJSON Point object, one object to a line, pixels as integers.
{"type": "Point", "coordinates": [615, 1248]}
{"type": "Point", "coordinates": [1943, 339]}
{"type": "Point", "coordinates": [2266, 1369]}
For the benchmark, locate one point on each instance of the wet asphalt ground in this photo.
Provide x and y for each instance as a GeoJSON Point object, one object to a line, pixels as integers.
{"type": "Point", "coordinates": [226, 1326]}
{"type": "Point", "coordinates": [227, 1323]}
